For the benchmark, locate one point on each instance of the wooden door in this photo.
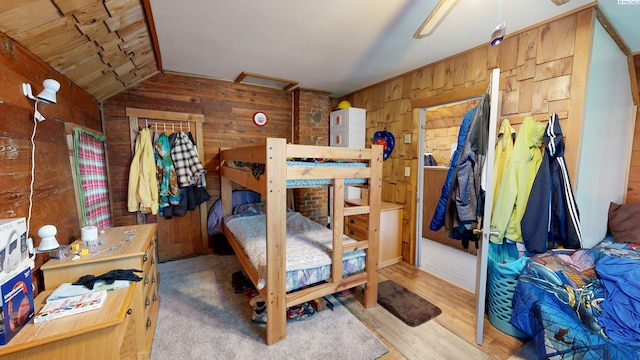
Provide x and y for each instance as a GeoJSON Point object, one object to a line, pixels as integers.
{"type": "Point", "coordinates": [179, 236]}
{"type": "Point", "coordinates": [483, 254]}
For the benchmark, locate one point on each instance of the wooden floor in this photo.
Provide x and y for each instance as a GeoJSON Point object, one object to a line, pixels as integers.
{"type": "Point", "coordinates": [451, 335]}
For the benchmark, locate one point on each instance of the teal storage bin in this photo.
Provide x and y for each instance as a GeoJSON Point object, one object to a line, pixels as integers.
{"type": "Point", "coordinates": [504, 267]}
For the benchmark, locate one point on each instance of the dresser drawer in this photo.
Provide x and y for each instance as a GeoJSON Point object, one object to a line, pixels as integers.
{"type": "Point", "coordinates": [357, 222]}
{"type": "Point", "coordinates": [355, 233]}
{"type": "Point", "coordinates": [150, 285]}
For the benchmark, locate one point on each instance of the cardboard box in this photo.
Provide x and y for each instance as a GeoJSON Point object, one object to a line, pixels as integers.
{"type": "Point", "coordinates": [14, 251]}
{"type": "Point", "coordinates": [17, 304]}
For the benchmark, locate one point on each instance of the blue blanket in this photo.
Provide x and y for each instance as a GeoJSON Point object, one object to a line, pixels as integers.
{"type": "Point", "coordinates": [586, 314]}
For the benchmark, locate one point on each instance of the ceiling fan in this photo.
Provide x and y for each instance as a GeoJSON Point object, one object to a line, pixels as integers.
{"type": "Point", "coordinates": [441, 10]}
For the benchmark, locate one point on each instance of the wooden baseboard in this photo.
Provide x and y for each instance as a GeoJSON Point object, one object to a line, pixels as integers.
{"type": "Point", "coordinates": [390, 262]}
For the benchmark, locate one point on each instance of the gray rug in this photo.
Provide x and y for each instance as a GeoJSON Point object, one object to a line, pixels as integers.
{"type": "Point", "coordinates": [202, 318]}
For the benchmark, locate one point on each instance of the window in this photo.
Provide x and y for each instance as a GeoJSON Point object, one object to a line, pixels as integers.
{"type": "Point", "coordinates": [88, 162]}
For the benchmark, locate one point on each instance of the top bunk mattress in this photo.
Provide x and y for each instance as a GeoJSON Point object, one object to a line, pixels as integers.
{"type": "Point", "coordinates": [257, 169]}
{"type": "Point", "coordinates": [309, 247]}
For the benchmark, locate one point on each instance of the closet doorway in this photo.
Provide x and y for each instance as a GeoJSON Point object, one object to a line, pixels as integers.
{"type": "Point", "coordinates": [467, 261]}
{"type": "Point", "coordinates": [180, 236]}
{"type": "Point", "coordinates": [440, 255]}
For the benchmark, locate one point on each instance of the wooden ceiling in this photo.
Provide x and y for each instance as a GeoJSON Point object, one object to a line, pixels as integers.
{"type": "Point", "coordinates": [103, 46]}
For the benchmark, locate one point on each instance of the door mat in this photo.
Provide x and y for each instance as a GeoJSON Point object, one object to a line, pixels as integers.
{"type": "Point", "coordinates": [405, 305]}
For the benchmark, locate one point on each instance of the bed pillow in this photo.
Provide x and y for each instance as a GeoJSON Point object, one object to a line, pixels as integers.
{"type": "Point", "coordinates": [624, 222]}
{"type": "Point", "coordinates": [252, 209]}
{"type": "Point", "coordinates": [249, 209]}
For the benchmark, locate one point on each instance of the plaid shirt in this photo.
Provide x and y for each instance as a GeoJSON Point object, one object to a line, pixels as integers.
{"type": "Point", "coordinates": [186, 161]}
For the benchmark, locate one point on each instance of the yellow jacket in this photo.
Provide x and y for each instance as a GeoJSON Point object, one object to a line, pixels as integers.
{"type": "Point", "coordinates": [516, 183]}
{"type": "Point", "coordinates": [504, 149]}
{"type": "Point", "coordinates": [143, 185]}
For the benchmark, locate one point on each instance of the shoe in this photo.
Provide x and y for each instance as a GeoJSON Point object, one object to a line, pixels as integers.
{"type": "Point", "coordinates": [259, 314]}
{"type": "Point", "coordinates": [254, 300]}
{"type": "Point", "coordinates": [240, 282]}
{"type": "Point", "coordinates": [250, 291]}
{"type": "Point", "coordinates": [301, 312]}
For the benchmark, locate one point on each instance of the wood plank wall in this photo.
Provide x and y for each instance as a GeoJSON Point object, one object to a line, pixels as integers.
{"type": "Point", "coordinates": [633, 194]}
{"type": "Point", "coordinates": [227, 107]}
{"type": "Point", "coordinates": [542, 71]}
{"type": "Point", "coordinates": [53, 194]}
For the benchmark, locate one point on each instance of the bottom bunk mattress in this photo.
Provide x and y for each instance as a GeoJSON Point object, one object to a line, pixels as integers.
{"type": "Point", "coordinates": [573, 308]}
{"type": "Point", "coordinates": [309, 247]}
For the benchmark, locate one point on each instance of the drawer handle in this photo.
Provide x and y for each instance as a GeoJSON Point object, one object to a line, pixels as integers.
{"type": "Point", "coordinates": [129, 312]}
{"type": "Point", "coordinates": [144, 257]}
{"type": "Point", "coordinates": [153, 279]}
{"type": "Point", "coordinates": [352, 221]}
{"type": "Point", "coordinates": [148, 323]}
{"type": "Point", "coordinates": [153, 260]}
{"type": "Point", "coordinates": [351, 232]}
{"type": "Point", "coordinates": [155, 297]}
{"type": "Point", "coordinates": [146, 279]}
{"type": "Point", "coordinates": [147, 302]}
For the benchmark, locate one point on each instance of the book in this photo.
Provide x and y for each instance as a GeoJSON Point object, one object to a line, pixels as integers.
{"type": "Point", "coordinates": [70, 306]}
{"type": "Point", "coordinates": [66, 290]}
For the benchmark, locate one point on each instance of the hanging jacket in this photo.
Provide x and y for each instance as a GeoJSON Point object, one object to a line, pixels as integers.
{"type": "Point", "coordinates": [516, 182]}
{"type": "Point", "coordinates": [186, 160]}
{"type": "Point", "coordinates": [168, 190]}
{"type": "Point", "coordinates": [437, 221]}
{"type": "Point", "coordinates": [551, 215]}
{"type": "Point", "coordinates": [503, 151]}
{"type": "Point", "coordinates": [143, 186]}
{"type": "Point", "coordinates": [466, 186]}
{"type": "Point", "coordinates": [466, 199]}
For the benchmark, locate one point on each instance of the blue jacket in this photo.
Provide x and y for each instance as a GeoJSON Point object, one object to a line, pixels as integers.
{"type": "Point", "coordinates": [551, 214]}
{"type": "Point", "coordinates": [439, 213]}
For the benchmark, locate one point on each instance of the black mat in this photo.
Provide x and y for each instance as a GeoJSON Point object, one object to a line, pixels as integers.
{"type": "Point", "coordinates": [405, 305]}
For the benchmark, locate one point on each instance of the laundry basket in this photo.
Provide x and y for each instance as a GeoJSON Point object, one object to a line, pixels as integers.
{"type": "Point", "coordinates": [505, 265]}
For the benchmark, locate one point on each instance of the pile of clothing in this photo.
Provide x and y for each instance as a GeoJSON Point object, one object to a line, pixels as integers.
{"type": "Point", "coordinates": [166, 175]}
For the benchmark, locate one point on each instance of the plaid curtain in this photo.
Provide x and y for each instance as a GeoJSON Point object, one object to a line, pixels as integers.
{"type": "Point", "coordinates": [91, 174]}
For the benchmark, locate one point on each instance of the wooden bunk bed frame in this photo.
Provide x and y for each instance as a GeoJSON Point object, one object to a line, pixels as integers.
{"type": "Point", "coordinates": [272, 185]}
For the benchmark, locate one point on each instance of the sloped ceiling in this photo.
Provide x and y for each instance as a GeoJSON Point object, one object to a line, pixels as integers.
{"type": "Point", "coordinates": [102, 46]}
{"type": "Point", "coordinates": [338, 46]}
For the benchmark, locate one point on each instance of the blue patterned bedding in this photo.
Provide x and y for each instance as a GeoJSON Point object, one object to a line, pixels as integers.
{"type": "Point", "coordinates": [257, 169]}
{"type": "Point", "coordinates": [308, 247]}
{"type": "Point", "coordinates": [582, 304]}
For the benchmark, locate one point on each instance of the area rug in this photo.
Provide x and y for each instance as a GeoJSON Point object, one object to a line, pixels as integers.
{"type": "Point", "coordinates": [412, 309]}
{"type": "Point", "coordinates": [201, 317]}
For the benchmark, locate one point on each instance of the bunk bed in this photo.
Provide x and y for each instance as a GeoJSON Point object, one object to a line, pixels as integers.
{"type": "Point", "coordinates": [314, 166]}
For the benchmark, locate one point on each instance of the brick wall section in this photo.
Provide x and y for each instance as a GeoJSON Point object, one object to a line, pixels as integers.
{"type": "Point", "coordinates": [311, 127]}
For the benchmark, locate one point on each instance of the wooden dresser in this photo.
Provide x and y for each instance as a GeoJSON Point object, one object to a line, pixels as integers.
{"type": "Point", "coordinates": [105, 333]}
{"type": "Point", "coordinates": [390, 230]}
{"type": "Point", "coordinates": [126, 247]}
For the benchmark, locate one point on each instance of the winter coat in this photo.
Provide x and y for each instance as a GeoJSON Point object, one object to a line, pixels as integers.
{"type": "Point", "coordinates": [551, 215]}
{"type": "Point", "coordinates": [143, 186]}
{"type": "Point", "coordinates": [437, 221]}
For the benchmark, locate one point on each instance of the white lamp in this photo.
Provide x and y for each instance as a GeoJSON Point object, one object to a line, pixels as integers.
{"type": "Point", "coordinates": [47, 96]}
{"type": "Point", "coordinates": [48, 240]}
